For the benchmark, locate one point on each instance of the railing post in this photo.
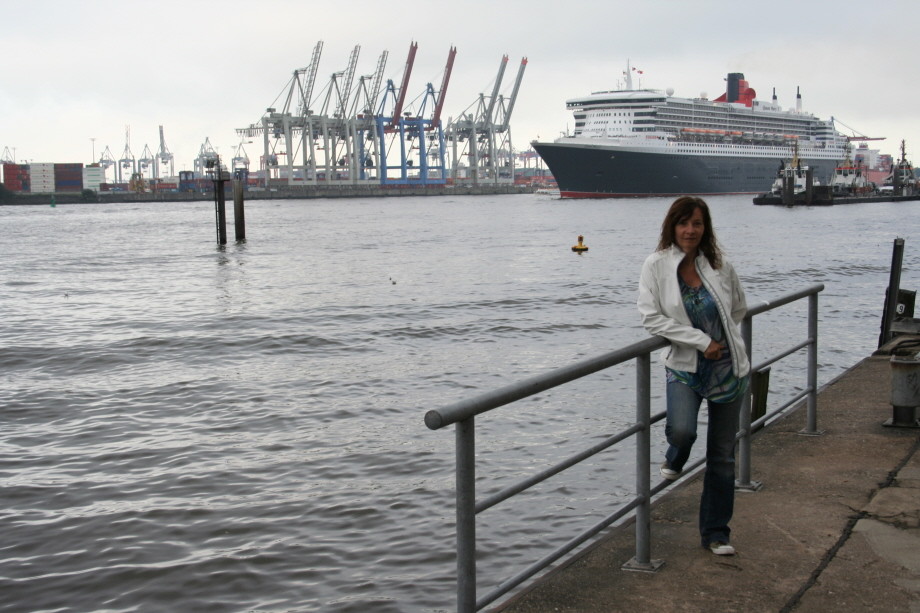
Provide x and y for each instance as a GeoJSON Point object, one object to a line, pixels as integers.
{"type": "Point", "coordinates": [466, 516]}
{"type": "Point", "coordinates": [811, 428]}
{"type": "Point", "coordinates": [744, 482]}
{"type": "Point", "coordinates": [642, 560]}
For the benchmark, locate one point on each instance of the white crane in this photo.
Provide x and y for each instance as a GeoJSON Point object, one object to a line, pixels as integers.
{"type": "Point", "coordinates": [206, 154]}
{"type": "Point", "coordinates": [127, 160]}
{"type": "Point", "coordinates": [164, 157]}
{"type": "Point", "coordinates": [146, 161]}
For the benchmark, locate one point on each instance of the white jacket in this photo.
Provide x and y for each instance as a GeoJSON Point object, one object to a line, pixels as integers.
{"type": "Point", "coordinates": [663, 313]}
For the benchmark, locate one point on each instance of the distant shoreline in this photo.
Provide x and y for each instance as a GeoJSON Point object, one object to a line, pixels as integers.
{"type": "Point", "coordinates": [275, 193]}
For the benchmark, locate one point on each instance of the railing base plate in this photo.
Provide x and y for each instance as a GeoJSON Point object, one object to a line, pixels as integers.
{"type": "Point", "coordinates": [651, 566]}
{"type": "Point", "coordinates": [753, 486]}
{"type": "Point", "coordinates": [811, 432]}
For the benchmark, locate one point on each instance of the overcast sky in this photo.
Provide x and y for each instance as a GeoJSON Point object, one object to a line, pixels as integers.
{"type": "Point", "coordinates": [76, 71]}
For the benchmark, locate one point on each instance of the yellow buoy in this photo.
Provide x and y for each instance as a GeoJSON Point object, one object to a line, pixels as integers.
{"type": "Point", "coordinates": [581, 246]}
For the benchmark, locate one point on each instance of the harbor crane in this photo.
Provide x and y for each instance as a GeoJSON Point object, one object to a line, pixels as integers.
{"type": "Point", "coordinates": [337, 137]}
{"type": "Point", "coordinates": [206, 159]}
{"type": "Point", "coordinates": [127, 161]}
{"type": "Point", "coordinates": [7, 157]}
{"type": "Point", "coordinates": [295, 121]}
{"type": "Point", "coordinates": [483, 136]}
{"type": "Point", "coordinates": [106, 160]}
{"type": "Point", "coordinates": [146, 161]}
{"type": "Point", "coordinates": [164, 157]}
{"type": "Point", "coordinates": [240, 160]}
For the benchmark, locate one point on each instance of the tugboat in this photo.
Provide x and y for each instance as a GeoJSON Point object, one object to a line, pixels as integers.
{"type": "Point", "coordinates": [793, 172]}
{"type": "Point", "coordinates": [850, 180]}
{"type": "Point", "coordinates": [794, 183]}
{"type": "Point", "coordinates": [903, 180]}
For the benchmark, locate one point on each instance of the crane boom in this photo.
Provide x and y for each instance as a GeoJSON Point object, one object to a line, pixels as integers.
{"type": "Point", "coordinates": [401, 97]}
{"type": "Point", "coordinates": [514, 93]}
{"type": "Point", "coordinates": [436, 117]}
{"type": "Point", "coordinates": [378, 80]}
{"type": "Point", "coordinates": [345, 92]}
{"type": "Point", "coordinates": [310, 77]}
{"type": "Point", "coordinates": [498, 83]}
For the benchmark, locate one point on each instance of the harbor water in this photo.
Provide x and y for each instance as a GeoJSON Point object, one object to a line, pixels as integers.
{"type": "Point", "coordinates": [187, 427]}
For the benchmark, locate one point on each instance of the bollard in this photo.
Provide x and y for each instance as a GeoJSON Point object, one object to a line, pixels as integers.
{"type": "Point", "coordinates": [905, 392]}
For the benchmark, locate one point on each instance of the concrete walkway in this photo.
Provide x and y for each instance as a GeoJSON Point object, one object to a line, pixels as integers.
{"type": "Point", "coordinates": [835, 527]}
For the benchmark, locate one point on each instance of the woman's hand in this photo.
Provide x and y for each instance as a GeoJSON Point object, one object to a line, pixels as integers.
{"type": "Point", "coordinates": [714, 351]}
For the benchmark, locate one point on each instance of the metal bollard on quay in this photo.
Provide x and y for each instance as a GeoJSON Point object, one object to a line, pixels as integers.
{"type": "Point", "coordinates": [905, 391]}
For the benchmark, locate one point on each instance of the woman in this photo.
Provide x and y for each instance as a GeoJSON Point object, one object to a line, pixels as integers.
{"type": "Point", "coordinates": [690, 295]}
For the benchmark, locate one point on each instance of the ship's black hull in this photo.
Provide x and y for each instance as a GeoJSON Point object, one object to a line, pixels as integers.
{"type": "Point", "coordinates": [596, 172]}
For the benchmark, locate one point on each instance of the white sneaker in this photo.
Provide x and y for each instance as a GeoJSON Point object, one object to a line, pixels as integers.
{"type": "Point", "coordinates": [721, 549]}
{"type": "Point", "coordinates": [669, 473]}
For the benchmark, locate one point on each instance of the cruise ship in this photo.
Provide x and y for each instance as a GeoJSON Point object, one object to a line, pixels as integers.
{"type": "Point", "coordinates": [644, 142]}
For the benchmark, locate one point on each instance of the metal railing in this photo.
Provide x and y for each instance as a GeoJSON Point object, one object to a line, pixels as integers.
{"type": "Point", "coordinates": [463, 415]}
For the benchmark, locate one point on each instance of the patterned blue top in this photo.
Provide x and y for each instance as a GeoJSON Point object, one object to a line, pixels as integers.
{"type": "Point", "coordinates": [713, 379]}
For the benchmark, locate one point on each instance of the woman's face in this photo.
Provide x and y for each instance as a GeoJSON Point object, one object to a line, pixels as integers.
{"type": "Point", "coordinates": [689, 232]}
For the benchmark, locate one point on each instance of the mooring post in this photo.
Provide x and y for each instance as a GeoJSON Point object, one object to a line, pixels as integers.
{"type": "Point", "coordinates": [219, 203]}
{"type": "Point", "coordinates": [788, 188]}
{"type": "Point", "coordinates": [239, 218]}
{"type": "Point", "coordinates": [891, 296]}
{"type": "Point", "coordinates": [809, 185]}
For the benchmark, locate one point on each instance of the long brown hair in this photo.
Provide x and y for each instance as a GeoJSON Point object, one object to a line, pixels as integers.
{"type": "Point", "coordinates": [681, 210]}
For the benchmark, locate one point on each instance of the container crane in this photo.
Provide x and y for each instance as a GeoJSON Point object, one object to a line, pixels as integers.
{"type": "Point", "coordinates": [486, 134]}
{"type": "Point", "coordinates": [366, 150]}
{"type": "Point", "coordinates": [127, 160]}
{"type": "Point", "coordinates": [279, 129]}
{"type": "Point", "coordinates": [240, 159]}
{"type": "Point", "coordinates": [164, 156]}
{"type": "Point", "coordinates": [106, 160]}
{"type": "Point", "coordinates": [147, 160]}
{"type": "Point", "coordinates": [7, 157]}
{"type": "Point", "coordinates": [206, 154]}
{"type": "Point", "coordinates": [337, 141]}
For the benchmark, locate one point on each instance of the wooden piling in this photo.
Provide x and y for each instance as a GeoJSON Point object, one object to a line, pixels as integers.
{"type": "Point", "coordinates": [788, 188]}
{"type": "Point", "coordinates": [221, 209]}
{"type": "Point", "coordinates": [239, 218]}
{"type": "Point", "coordinates": [809, 185]}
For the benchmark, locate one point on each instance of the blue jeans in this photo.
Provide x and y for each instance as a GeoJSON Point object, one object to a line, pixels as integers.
{"type": "Point", "coordinates": [718, 500]}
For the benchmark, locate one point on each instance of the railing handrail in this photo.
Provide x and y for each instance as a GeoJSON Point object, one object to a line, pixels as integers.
{"type": "Point", "coordinates": [450, 414]}
{"type": "Point", "coordinates": [462, 414]}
